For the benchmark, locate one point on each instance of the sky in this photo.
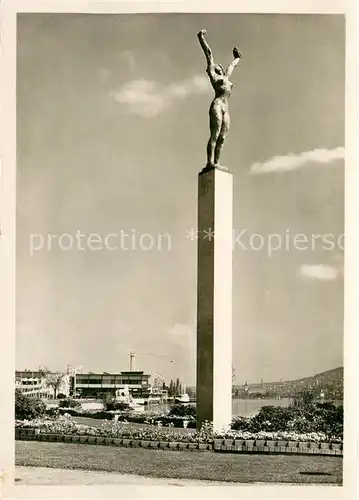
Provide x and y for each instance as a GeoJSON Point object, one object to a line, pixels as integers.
{"type": "Point", "coordinates": [112, 125]}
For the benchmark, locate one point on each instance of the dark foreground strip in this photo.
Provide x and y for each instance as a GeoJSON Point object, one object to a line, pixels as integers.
{"type": "Point", "coordinates": [218, 445]}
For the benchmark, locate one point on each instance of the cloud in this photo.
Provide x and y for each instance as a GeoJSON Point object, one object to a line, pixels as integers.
{"type": "Point", "coordinates": [148, 98]}
{"type": "Point", "coordinates": [321, 272]}
{"type": "Point", "coordinates": [295, 161]}
{"type": "Point", "coordinates": [142, 97]}
{"type": "Point", "coordinates": [180, 330]}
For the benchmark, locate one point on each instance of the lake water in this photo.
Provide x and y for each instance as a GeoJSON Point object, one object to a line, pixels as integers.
{"type": "Point", "coordinates": [242, 407]}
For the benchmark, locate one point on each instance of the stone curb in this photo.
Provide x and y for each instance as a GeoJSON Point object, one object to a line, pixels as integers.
{"type": "Point", "coordinates": [218, 445]}
{"type": "Point", "coordinates": [276, 446]}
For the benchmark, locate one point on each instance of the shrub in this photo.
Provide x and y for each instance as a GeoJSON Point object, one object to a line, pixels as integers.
{"type": "Point", "coordinates": [328, 418]}
{"type": "Point", "coordinates": [240, 423]}
{"type": "Point", "coordinates": [102, 415]}
{"type": "Point", "coordinates": [61, 395]}
{"type": "Point", "coordinates": [181, 410]}
{"type": "Point", "coordinates": [304, 398]}
{"type": "Point", "coordinates": [61, 411]}
{"type": "Point", "coordinates": [319, 417]}
{"type": "Point", "coordinates": [272, 418]}
{"type": "Point", "coordinates": [27, 408]}
{"type": "Point", "coordinates": [113, 405]}
{"type": "Point", "coordinates": [53, 412]}
{"type": "Point", "coordinates": [69, 403]}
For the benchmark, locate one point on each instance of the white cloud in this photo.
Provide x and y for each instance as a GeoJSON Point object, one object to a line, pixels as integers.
{"type": "Point", "coordinates": [197, 84]}
{"type": "Point", "coordinates": [322, 272]}
{"type": "Point", "coordinates": [295, 161]}
{"type": "Point", "coordinates": [142, 97]}
{"type": "Point", "coordinates": [180, 330]}
{"type": "Point", "coordinates": [149, 98]}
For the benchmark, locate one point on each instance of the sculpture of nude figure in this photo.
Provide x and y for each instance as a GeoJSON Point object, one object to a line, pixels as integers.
{"type": "Point", "coordinates": [218, 112]}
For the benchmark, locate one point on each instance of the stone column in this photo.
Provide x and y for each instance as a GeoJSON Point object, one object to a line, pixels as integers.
{"type": "Point", "coordinates": [214, 297]}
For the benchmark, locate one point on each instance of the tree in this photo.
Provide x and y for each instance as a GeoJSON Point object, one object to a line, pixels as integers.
{"type": "Point", "coordinates": [27, 408]}
{"type": "Point", "coordinates": [175, 388]}
{"type": "Point", "coordinates": [53, 380]}
{"type": "Point", "coordinates": [304, 398]}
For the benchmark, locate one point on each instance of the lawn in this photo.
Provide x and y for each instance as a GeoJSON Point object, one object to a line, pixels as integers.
{"type": "Point", "coordinates": [182, 465]}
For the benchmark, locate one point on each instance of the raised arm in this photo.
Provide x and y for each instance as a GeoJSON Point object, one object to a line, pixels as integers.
{"type": "Point", "coordinates": [237, 55]}
{"type": "Point", "coordinates": [206, 48]}
{"type": "Point", "coordinates": [208, 53]}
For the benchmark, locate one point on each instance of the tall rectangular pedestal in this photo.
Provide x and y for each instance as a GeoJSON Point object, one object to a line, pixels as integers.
{"type": "Point", "coordinates": [214, 298]}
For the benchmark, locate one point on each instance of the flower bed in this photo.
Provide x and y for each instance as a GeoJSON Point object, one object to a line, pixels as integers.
{"type": "Point", "coordinates": [66, 425]}
{"type": "Point", "coordinates": [64, 429]}
{"type": "Point", "coordinates": [128, 416]}
{"type": "Point", "coordinates": [310, 437]}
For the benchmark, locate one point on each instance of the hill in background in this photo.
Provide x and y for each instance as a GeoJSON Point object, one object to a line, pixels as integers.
{"type": "Point", "coordinates": [328, 385]}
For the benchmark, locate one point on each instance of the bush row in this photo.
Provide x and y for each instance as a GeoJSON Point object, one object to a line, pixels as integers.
{"type": "Point", "coordinates": [66, 425]}
{"type": "Point", "coordinates": [316, 417]}
{"type": "Point", "coordinates": [311, 417]}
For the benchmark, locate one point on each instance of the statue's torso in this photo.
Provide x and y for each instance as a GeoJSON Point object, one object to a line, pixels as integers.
{"type": "Point", "coordinates": [223, 87]}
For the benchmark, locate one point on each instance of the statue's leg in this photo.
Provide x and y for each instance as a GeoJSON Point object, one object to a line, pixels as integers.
{"type": "Point", "coordinates": [215, 125]}
{"type": "Point", "coordinates": [221, 137]}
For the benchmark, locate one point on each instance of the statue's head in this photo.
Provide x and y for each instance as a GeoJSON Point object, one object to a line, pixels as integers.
{"type": "Point", "coordinates": [218, 68]}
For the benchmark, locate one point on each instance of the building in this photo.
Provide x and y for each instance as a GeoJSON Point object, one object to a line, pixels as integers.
{"type": "Point", "coordinates": [98, 384]}
{"type": "Point", "coordinates": [32, 384]}
{"type": "Point", "coordinates": [38, 383]}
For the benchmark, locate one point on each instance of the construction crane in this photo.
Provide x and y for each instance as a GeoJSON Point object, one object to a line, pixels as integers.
{"type": "Point", "coordinates": [133, 355]}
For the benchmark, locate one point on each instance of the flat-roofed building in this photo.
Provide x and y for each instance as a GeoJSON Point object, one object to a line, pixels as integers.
{"type": "Point", "coordinates": [95, 384]}
{"type": "Point", "coordinates": [32, 383]}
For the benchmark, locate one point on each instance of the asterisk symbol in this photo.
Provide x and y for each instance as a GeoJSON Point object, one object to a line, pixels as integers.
{"type": "Point", "coordinates": [209, 234]}
{"type": "Point", "coordinates": [192, 234]}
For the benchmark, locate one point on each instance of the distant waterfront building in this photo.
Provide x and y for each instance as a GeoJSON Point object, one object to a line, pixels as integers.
{"type": "Point", "coordinates": [256, 389]}
{"type": "Point", "coordinates": [33, 383]}
{"type": "Point", "coordinates": [95, 384]}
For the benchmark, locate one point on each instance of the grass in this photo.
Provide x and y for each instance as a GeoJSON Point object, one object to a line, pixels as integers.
{"type": "Point", "coordinates": [182, 465]}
